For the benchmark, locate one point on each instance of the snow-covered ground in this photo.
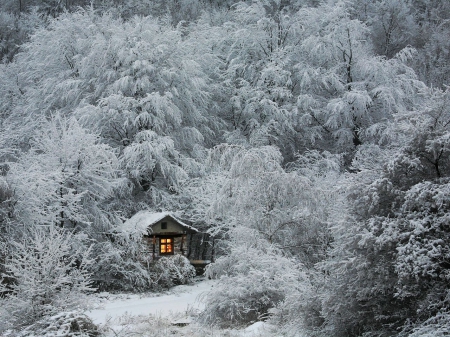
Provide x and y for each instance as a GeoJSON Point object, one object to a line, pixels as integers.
{"type": "Point", "coordinates": [179, 300]}
{"type": "Point", "coordinates": [152, 314]}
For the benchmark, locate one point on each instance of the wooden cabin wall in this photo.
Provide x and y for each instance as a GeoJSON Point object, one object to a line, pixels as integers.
{"type": "Point", "coordinates": [147, 241]}
{"type": "Point", "coordinates": [198, 246]}
{"type": "Point", "coordinates": [148, 246]}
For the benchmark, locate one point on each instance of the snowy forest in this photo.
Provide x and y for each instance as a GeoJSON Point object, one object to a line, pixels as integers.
{"type": "Point", "coordinates": [309, 138]}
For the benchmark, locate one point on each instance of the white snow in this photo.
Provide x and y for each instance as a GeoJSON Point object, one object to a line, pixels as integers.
{"type": "Point", "coordinates": [181, 299]}
{"type": "Point", "coordinates": [126, 314]}
{"type": "Point", "coordinates": [256, 329]}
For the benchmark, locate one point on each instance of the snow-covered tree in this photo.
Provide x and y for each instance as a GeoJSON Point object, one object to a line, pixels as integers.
{"type": "Point", "coordinates": [249, 188]}
{"type": "Point", "coordinates": [64, 177]}
{"type": "Point", "coordinates": [393, 25]}
{"type": "Point", "coordinates": [345, 90]}
{"type": "Point", "coordinates": [137, 83]}
{"type": "Point", "coordinates": [45, 273]}
{"type": "Point", "coordinates": [388, 258]}
{"type": "Point", "coordinates": [258, 76]}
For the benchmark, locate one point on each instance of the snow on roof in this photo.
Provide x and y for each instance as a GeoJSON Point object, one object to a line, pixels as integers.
{"type": "Point", "coordinates": [142, 220]}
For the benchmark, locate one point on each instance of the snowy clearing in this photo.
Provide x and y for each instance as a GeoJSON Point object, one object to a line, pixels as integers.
{"type": "Point", "coordinates": [152, 314]}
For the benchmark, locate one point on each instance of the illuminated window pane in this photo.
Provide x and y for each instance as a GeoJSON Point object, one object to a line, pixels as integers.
{"type": "Point", "coordinates": [166, 246]}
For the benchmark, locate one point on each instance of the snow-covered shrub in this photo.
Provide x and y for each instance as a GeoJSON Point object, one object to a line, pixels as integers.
{"type": "Point", "coordinates": [173, 270]}
{"type": "Point", "coordinates": [253, 279]}
{"type": "Point", "coordinates": [65, 324]}
{"type": "Point", "coordinates": [119, 266]}
{"type": "Point", "coordinates": [46, 275]}
{"type": "Point", "coordinates": [436, 326]}
{"type": "Point", "coordinates": [301, 308]}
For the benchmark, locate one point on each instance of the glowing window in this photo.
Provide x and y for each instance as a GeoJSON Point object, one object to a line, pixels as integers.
{"type": "Point", "coordinates": [166, 246]}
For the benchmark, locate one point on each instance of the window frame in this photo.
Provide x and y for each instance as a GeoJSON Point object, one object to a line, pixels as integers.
{"type": "Point", "coordinates": [171, 244]}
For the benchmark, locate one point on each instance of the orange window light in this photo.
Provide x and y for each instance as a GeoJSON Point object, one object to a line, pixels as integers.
{"type": "Point", "coordinates": [166, 246]}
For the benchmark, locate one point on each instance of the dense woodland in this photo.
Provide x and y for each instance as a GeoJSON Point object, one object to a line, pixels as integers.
{"type": "Point", "coordinates": [310, 138]}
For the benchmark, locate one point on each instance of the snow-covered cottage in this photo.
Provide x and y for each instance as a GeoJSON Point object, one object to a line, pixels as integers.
{"type": "Point", "coordinates": [163, 232]}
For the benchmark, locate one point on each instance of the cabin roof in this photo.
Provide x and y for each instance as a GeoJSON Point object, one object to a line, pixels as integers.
{"type": "Point", "coordinates": [142, 220]}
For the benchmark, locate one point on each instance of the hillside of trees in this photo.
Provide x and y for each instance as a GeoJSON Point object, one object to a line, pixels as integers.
{"type": "Point", "coordinates": [311, 138]}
